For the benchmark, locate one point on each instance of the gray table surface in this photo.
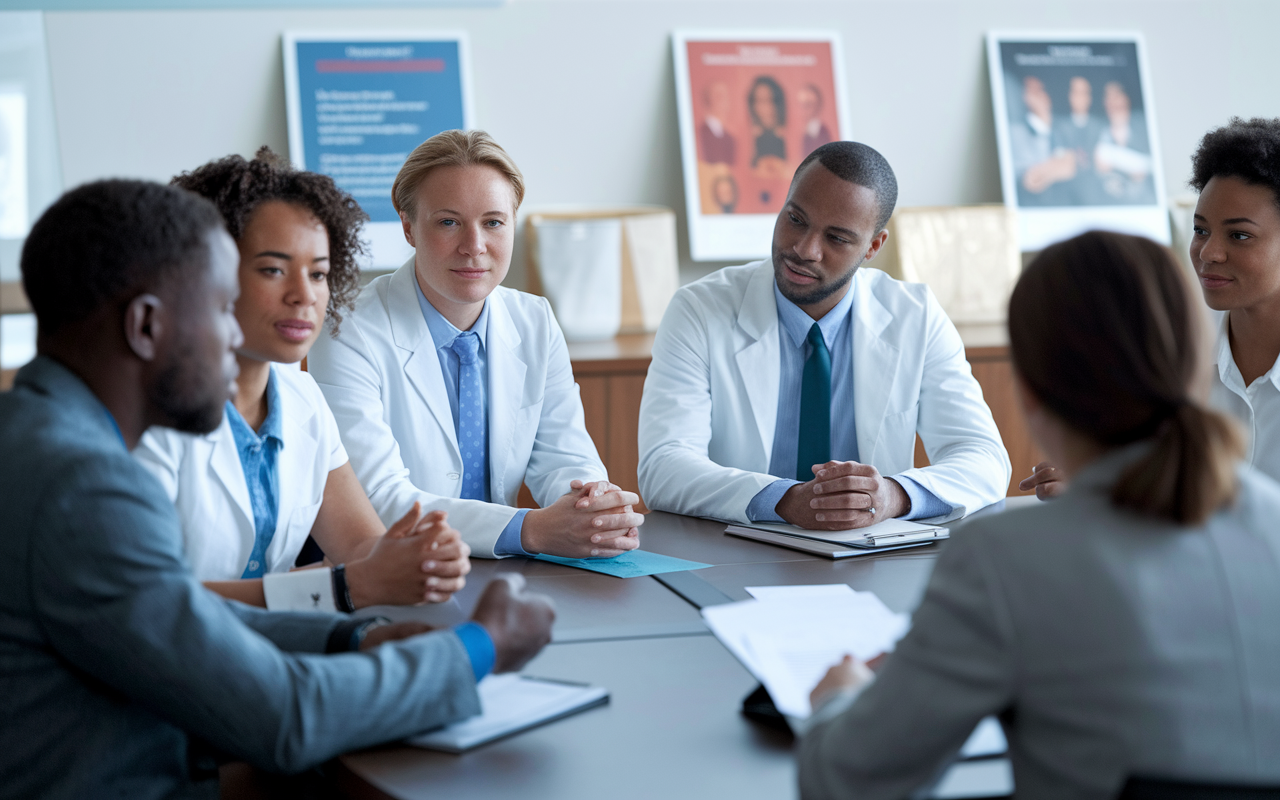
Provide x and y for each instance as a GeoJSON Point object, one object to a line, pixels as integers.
{"type": "Point", "coordinates": [676, 692]}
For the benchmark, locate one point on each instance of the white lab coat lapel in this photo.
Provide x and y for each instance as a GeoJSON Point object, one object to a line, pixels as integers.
{"type": "Point", "coordinates": [421, 364]}
{"type": "Point", "coordinates": [296, 459]}
{"type": "Point", "coordinates": [875, 367]}
{"type": "Point", "coordinates": [760, 361]}
{"type": "Point", "coordinates": [225, 466]}
{"type": "Point", "coordinates": [507, 369]}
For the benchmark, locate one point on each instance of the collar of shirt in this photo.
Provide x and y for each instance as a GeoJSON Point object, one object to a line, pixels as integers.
{"type": "Point", "coordinates": [1228, 372]}
{"type": "Point", "coordinates": [797, 323]}
{"type": "Point", "coordinates": [814, 127]}
{"type": "Point", "coordinates": [271, 428]}
{"type": "Point", "coordinates": [715, 125]}
{"type": "Point", "coordinates": [443, 332]}
{"type": "Point", "coordinates": [1039, 126]}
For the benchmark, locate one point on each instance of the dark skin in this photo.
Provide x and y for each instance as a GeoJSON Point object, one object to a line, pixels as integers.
{"type": "Point", "coordinates": [120, 358]}
{"type": "Point", "coordinates": [825, 232]}
{"type": "Point", "coordinates": [1235, 251]}
{"type": "Point", "coordinates": [189, 323]}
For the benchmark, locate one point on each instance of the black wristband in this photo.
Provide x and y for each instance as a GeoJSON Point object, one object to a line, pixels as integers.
{"type": "Point", "coordinates": [347, 635]}
{"type": "Point", "coordinates": [341, 594]}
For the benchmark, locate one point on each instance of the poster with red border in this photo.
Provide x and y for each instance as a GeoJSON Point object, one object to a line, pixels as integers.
{"type": "Point", "coordinates": [751, 107]}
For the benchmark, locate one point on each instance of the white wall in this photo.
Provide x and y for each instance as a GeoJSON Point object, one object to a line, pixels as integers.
{"type": "Point", "coordinates": [580, 91]}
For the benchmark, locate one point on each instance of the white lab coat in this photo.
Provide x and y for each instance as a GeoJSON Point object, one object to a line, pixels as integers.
{"type": "Point", "coordinates": [382, 379]}
{"type": "Point", "coordinates": [205, 480]}
{"type": "Point", "coordinates": [711, 398]}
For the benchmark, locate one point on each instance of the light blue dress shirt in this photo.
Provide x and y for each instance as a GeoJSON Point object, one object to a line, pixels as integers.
{"type": "Point", "coordinates": [259, 457]}
{"type": "Point", "coordinates": [837, 331]}
{"type": "Point", "coordinates": [443, 332]}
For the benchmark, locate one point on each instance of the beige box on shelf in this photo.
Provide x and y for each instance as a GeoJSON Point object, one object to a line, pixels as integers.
{"type": "Point", "coordinates": [968, 256]}
{"type": "Point", "coordinates": [606, 271]}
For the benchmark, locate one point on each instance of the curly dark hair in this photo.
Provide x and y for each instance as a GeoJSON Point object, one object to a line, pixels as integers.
{"type": "Point", "coordinates": [237, 187]}
{"type": "Point", "coordinates": [1248, 150]}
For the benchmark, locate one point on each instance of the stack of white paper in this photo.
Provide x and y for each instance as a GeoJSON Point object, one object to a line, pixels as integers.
{"type": "Point", "coordinates": [791, 635]}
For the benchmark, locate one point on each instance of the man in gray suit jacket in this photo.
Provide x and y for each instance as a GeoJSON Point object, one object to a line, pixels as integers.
{"type": "Point", "coordinates": [121, 674]}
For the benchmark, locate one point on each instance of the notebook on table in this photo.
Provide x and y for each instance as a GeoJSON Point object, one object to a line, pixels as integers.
{"type": "Point", "coordinates": [511, 704]}
{"type": "Point", "coordinates": [891, 534]}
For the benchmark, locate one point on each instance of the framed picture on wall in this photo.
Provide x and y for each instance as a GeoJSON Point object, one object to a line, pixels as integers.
{"type": "Point", "coordinates": [359, 103]}
{"type": "Point", "coordinates": [751, 106]}
{"type": "Point", "coordinates": [1076, 127]}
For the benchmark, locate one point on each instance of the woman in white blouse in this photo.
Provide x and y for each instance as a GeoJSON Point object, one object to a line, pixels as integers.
{"type": "Point", "coordinates": [275, 471]}
{"type": "Point", "coordinates": [1235, 251]}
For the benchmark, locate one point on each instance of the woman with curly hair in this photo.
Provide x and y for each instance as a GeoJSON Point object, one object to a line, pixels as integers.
{"type": "Point", "coordinates": [275, 471]}
{"type": "Point", "coordinates": [1235, 251]}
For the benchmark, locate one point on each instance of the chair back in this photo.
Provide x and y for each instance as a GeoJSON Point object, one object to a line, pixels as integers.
{"type": "Point", "coordinates": [1156, 789]}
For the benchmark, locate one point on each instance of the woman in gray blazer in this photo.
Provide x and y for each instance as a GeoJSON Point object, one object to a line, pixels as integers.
{"type": "Point", "coordinates": [1132, 626]}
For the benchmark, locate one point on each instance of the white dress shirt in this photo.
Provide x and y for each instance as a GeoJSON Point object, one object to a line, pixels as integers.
{"type": "Point", "coordinates": [1256, 406]}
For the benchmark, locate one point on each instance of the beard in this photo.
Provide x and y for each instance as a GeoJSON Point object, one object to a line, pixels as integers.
{"type": "Point", "coordinates": [190, 399]}
{"type": "Point", "coordinates": [814, 294]}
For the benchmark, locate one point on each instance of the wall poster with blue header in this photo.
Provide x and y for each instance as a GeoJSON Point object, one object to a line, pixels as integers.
{"type": "Point", "coordinates": [359, 103]}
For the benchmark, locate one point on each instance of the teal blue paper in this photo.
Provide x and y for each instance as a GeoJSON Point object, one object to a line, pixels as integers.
{"type": "Point", "coordinates": [628, 565]}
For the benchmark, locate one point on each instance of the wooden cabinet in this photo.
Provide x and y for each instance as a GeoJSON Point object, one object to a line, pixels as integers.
{"type": "Point", "coordinates": [610, 375]}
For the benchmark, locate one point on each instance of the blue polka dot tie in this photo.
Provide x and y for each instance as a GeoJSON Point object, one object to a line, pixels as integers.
{"type": "Point", "coordinates": [473, 433]}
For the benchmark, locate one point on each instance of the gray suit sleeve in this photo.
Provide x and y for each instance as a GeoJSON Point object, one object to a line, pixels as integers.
{"type": "Point", "coordinates": [291, 631]}
{"type": "Point", "coordinates": [951, 670]}
{"type": "Point", "coordinates": [115, 599]}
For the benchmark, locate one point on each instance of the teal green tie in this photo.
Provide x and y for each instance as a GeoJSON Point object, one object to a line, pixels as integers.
{"type": "Point", "coordinates": [813, 445]}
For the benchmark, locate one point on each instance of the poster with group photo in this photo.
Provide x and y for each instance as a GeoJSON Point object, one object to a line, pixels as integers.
{"type": "Point", "coordinates": [359, 103]}
{"type": "Point", "coordinates": [752, 106]}
{"type": "Point", "coordinates": [1077, 135]}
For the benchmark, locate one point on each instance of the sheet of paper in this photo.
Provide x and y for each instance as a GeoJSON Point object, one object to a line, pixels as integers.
{"type": "Point", "coordinates": [817, 591]}
{"type": "Point", "coordinates": [788, 643]}
{"type": "Point", "coordinates": [889, 526]}
{"type": "Point", "coordinates": [987, 739]}
{"type": "Point", "coordinates": [510, 703]}
{"type": "Point", "coordinates": [628, 565]}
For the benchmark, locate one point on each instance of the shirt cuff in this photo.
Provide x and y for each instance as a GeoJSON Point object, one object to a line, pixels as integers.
{"type": "Point", "coordinates": [763, 507]}
{"type": "Point", "coordinates": [479, 646]}
{"type": "Point", "coordinates": [924, 503]}
{"type": "Point", "coordinates": [508, 543]}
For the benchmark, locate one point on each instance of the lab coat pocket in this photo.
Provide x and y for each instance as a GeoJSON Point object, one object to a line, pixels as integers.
{"type": "Point", "coordinates": [301, 521]}
{"type": "Point", "coordinates": [895, 448]}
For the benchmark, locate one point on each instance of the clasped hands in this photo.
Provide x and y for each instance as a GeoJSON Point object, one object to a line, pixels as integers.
{"type": "Point", "coordinates": [591, 520]}
{"type": "Point", "coordinates": [843, 495]}
{"type": "Point", "coordinates": [419, 559]}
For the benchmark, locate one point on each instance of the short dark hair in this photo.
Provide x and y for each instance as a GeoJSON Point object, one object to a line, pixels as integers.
{"type": "Point", "coordinates": [857, 163]}
{"type": "Point", "coordinates": [1248, 150]}
{"type": "Point", "coordinates": [237, 187]}
{"type": "Point", "coordinates": [106, 242]}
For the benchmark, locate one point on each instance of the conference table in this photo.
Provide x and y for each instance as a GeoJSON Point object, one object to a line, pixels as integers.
{"type": "Point", "coordinates": [673, 727]}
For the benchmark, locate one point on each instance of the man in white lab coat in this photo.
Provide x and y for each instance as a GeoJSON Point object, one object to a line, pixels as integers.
{"type": "Point", "coordinates": [792, 389]}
